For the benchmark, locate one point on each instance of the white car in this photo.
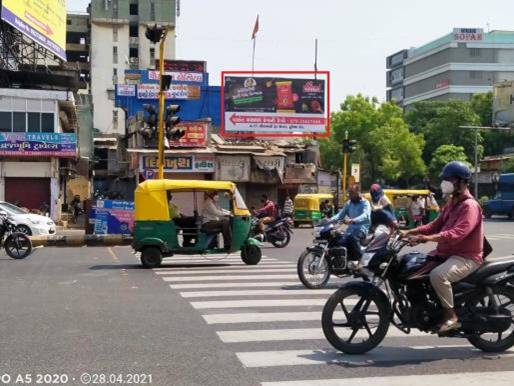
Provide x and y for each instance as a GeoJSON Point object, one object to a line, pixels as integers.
{"type": "Point", "coordinates": [29, 223]}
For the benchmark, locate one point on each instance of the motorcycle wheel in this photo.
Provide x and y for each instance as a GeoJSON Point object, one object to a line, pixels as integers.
{"type": "Point", "coordinates": [498, 341]}
{"type": "Point", "coordinates": [310, 276]}
{"type": "Point", "coordinates": [281, 243]}
{"type": "Point", "coordinates": [355, 321]}
{"type": "Point", "coordinates": [18, 246]}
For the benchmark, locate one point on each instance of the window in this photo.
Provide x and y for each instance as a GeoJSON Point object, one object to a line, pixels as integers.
{"type": "Point", "coordinates": [152, 56]}
{"type": "Point", "coordinates": [68, 22]}
{"type": "Point", "coordinates": [114, 75]}
{"type": "Point", "coordinates": [34, 122]}
{"type": "Point", "coordinates": [475, 74]}
{"type": "Point", "coordinates": [5, 121]}
{"type": "Point", "coordinates": [133, 9]}
{"type": "Point", "coordinates": [115, 55]}
{"type": "Point", "coordinates": [133, 30]}
{"type": "Point", "coordinates": [133, 52]}
{"type": "Point", "coordinates": [114, 33]}
{"type": "Point", "coordinates": [115, 119]}
{"type": "Point", "coordinates": [152, 11]}
{"type": "Point", "coordinates": [19, 122]}
{"type": "Point", "coordinates": [47, 123]}
{"type": "Point", "coordinates": [474, 52]}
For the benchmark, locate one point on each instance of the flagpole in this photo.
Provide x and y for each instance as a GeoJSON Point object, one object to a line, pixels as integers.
{"type": "Point", "coordinates": [253, 54]}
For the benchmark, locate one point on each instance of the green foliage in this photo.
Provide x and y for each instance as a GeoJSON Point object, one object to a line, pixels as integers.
{"type": "Point", "coordinates": [386, 148]}
{"type": "Point", "coordinates": [439, 122]}
{"type": "Point", "coordinates": [508, 166]}
{"type": "Point", "coordinates": [443, 155]}
{"type": "Point", "coordinates": [482, 105]}
{"type": "Point", "coordinates": [482, 200]}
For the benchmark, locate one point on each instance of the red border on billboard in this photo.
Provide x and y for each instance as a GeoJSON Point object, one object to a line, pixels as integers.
{"type": "Point", "coordinates": [274, 134]}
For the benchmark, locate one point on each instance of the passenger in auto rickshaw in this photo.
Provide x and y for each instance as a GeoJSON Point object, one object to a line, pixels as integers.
{"type": "Point", "coordinates": [215, 219]}
{"type": "Point", "coordinates": [186, 224]}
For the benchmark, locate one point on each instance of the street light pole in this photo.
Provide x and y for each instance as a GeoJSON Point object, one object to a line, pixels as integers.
{"type": "Point", "coordinates": [477, 128]}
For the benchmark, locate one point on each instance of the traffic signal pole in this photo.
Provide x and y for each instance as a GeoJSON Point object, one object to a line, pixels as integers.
{"type": "Point", "coordinates": [160, 158]}
{"type": "Point", "coordinates": [348, 147]}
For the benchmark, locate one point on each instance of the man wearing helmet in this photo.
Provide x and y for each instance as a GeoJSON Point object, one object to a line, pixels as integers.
{"type": "Point", "coordinates": [459, 234]}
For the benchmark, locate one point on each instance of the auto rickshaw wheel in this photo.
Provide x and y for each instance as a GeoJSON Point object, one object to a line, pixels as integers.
{"type": "Point", "coordinates": [151, 257]}
{"type": "Point", "coordinates": [251, 254]}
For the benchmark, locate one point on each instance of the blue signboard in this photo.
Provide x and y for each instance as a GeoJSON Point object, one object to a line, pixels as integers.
{"type": "Point", "coordinates": [113, 217]}
{"type": "Point", "coordinates": [196, 98]}
{"type": "Point", "coordinates": [38, 144]}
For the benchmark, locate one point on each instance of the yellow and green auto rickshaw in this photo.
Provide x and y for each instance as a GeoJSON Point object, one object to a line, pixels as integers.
{"type": "Point", "coordinates": [156, 235]}
{"type": "Point", "coordinates": [401, 200]}
{"type": "Point", "coordinates": [307, 207]}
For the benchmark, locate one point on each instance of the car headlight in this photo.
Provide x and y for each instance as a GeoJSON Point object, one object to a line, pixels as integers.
{"type": "Point", "coordinates": [50, 223]}
{"type": "Point", "coordinates": [35, 222]}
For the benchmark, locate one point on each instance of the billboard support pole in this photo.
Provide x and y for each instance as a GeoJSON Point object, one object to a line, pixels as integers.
{"type": "Point", "coordinates": [160, 158]}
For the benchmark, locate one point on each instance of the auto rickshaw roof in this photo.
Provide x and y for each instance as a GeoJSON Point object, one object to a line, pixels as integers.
{"type": "Point", "coordinates": [184, 185]}
{"type": "Point", "coordinates": [314, 195]}
{"type": "Point", "coordinates": [407, 192]}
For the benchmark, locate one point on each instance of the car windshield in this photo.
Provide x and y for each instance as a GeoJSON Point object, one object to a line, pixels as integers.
{"type": "Point", "coordinates": [10, 208]}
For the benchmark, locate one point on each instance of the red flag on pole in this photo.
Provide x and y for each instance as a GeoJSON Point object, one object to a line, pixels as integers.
{"type": "Point", "coordinates": [255, 27]}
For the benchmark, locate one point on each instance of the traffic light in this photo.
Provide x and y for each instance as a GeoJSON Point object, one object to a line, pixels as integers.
{"type": "Point", "coordinates": [349, 145]}
{"type": "Point", "coordinates": [165, 82]}
{"type": "Point", "coordinates": [154, 34]}
{"type": "Point", "coordinates": [173, 133]}
{"type": "Point", "coordinates": [150, 121]}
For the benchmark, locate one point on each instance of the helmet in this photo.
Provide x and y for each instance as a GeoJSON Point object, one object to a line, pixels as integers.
{"type": "Point", "coordinates": [375, 187]}
{"type": "Point", "coordinates": [456, 169]}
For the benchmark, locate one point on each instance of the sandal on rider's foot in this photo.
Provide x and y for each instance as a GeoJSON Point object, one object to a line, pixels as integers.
{"type": "Point", "coordinates": [449, 325]}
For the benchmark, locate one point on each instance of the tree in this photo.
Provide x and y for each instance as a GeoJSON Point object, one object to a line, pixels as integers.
{"type": "Point", "coordinates": [439, 122]}
{"type": "Point", "coordinates": [508, 166]}
{"type": "Point", "coordinates": [386, 148]}
{"type": "Point", "coordinates": [482, 105]}
{"type": "Point", "coordinates": [443, 155]}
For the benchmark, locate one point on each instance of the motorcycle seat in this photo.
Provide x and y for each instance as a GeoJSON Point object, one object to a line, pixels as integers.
{"type": "Point", "coordinates": [488, 269]}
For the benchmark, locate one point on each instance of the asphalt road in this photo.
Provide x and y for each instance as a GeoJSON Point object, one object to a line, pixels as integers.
{"type": "Point", "coordinates": [210, 322]}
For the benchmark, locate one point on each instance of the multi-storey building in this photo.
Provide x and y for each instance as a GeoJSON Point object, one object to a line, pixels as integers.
{"type": "Point", "coordinates": [118, 43]}
{"type": "Point", "coordinates": [455, 66]}
{"type": "Point", "coordinates": [78, 37]}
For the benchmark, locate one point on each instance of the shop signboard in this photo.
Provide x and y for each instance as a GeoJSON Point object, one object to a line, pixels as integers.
{"type": "Point", "coordinates": [195, 134]}
{"type": "Point", "coordinates": [126, 90]}
{"type": "Point", "coordinates": [183, 65]}
{"type": "Point", "coordinates": [176, 91]}
{"type": "Point", "coordinates": [197, 163]}
{"type": "Point", "coordinates": [38, 144]}
{"type": "Point", "coordinates": [233, 168]}
{"type": "Point", "coordinates": [271, 105]}
{"type": "Point", "coordinates": [179, 76]}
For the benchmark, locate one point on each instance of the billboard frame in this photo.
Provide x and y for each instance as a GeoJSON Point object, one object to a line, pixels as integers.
{"type": "Point", "coordinates": [224, 133]}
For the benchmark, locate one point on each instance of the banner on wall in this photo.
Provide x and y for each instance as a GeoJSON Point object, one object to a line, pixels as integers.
{"type": "Point", "coordinates": [38, 144]}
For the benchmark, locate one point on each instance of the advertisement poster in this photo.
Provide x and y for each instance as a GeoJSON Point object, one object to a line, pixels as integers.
{"type": "Point", "coordinates": [176, 91]}
{"type": "Point", "coordinates": [113, 217]}
{"type": "Point", "coordinates": [38, 144]}
{"type": "Point", "coordinates": [178, 76]}
{"type": "Point", "coordinates": [270, 105]}
{"type": "Point", "coordinates": [126, 90]}
{"type": "Point", "coordinates": [180, 164]}
{"type": "Point", "coordinates": [183, 65]}
{"type": "Point", "coordinates": [195, 134]}
{"type": "Point", "coordinates": [43, 21]}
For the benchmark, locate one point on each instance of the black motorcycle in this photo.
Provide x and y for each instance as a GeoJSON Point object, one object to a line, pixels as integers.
{"type": "Point", "coordinates": [278, 232]}
{"type": "Point", "coordinates": [356, 317]}
{"type": "Point", "coordinates": [326, 257]}
{"type": "Point", "coordinates": [16, 244]}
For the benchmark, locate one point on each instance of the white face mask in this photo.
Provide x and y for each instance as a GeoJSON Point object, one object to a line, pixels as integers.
{"type": "Point", "coordinates": [216, 198]}
{"type": "Point", "coordinates": [447, 187]}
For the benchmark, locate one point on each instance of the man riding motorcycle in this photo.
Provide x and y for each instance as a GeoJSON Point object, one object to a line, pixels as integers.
{"type": "Point", "coordinates": [266, 214]}
{"type": "Point", "coordinates": [356, 213]}
{"type": "Point", "coordinates": [459, 234]}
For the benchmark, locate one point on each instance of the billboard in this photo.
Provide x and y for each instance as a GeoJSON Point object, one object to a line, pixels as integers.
{"type": "Point", "coordinates": [195, 134]}
{"type": "Point", "coordinates": [43, 21]}
{"type": "Point", "coordinates": [176, 91]}
{"type": "Point", "coordinates": [38, 144]}
{"type": "Point", "coordinates": [275, 105]}
{"type": "Point", "coordinates": [196, 163]}
{"type": "Point", "coordinates": [468, 34]}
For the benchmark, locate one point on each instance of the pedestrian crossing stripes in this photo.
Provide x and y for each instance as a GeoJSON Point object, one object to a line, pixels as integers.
{"type": "Point", "coordinates": [246, 292]}
{"type": "Point", "coordinates": [497, 378]}
{"type": "Point", "coordinates": [272, 321]}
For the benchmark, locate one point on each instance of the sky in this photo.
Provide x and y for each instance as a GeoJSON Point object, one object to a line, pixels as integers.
{"type": "Point", "coordinates": [354, 36]}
